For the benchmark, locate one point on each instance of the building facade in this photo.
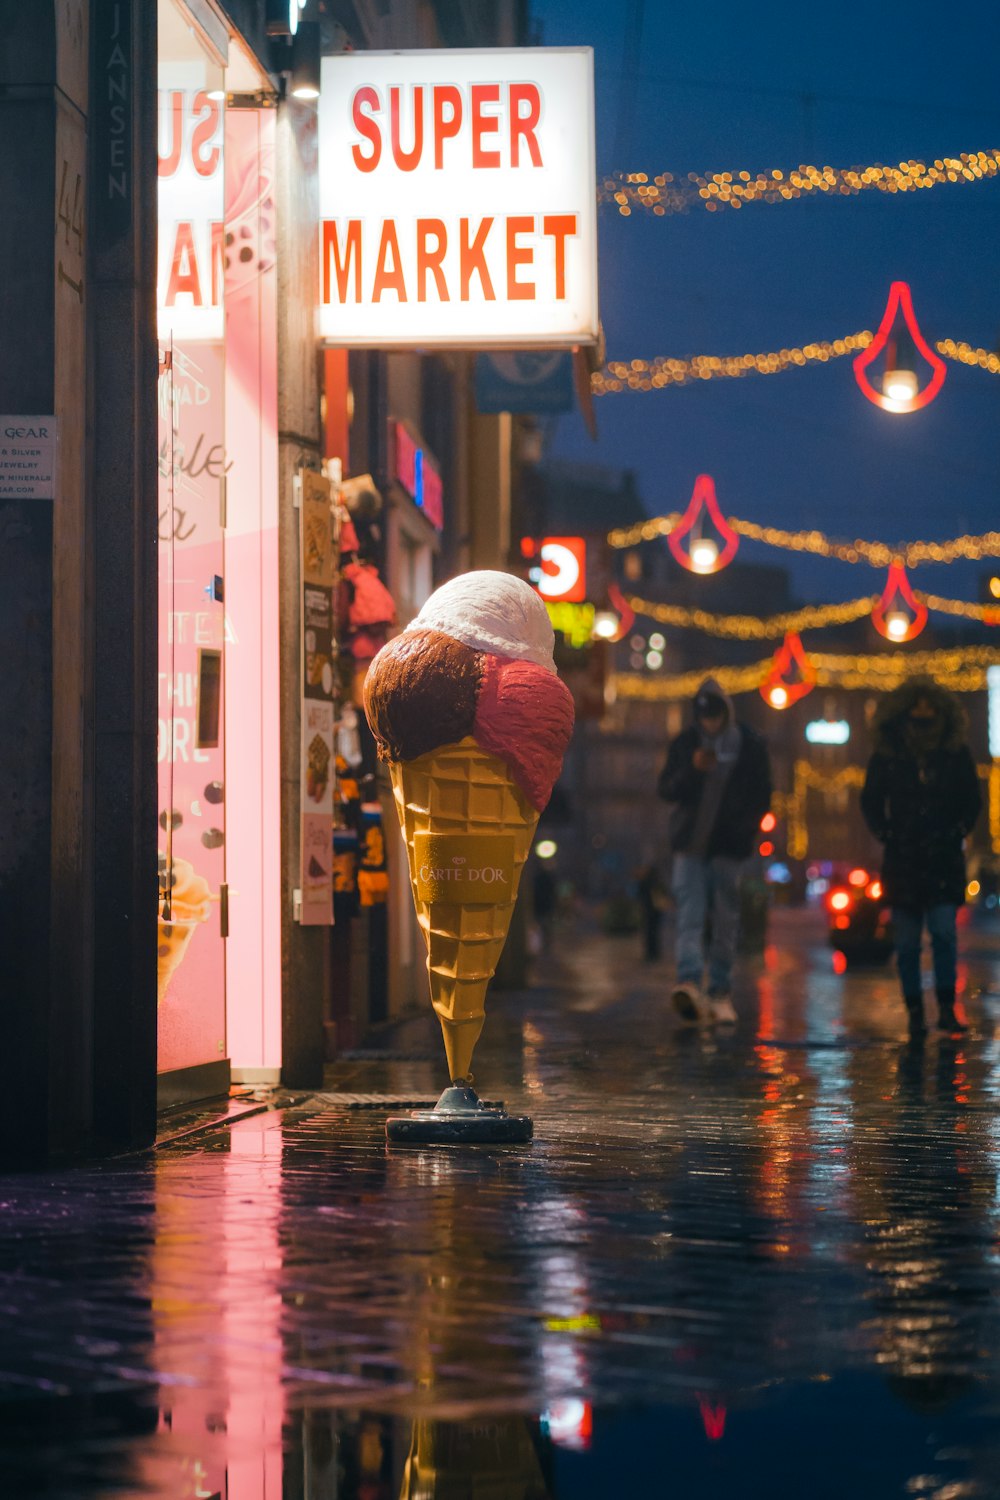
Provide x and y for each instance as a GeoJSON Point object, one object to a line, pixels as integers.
{"type": "Point", "coordinates": [171, 709]}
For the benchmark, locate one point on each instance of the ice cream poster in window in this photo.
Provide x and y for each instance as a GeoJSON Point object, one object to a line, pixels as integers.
{"type": "Point", "coordinates": [473, 721]}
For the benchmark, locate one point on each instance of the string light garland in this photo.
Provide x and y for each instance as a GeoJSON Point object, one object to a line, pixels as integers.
{"type": "Point", "coordinates": [664, 193]}
{"type": "Point", "coordinates": [810, 617]}
{"type": "Point", "coordinates": [655, 374]}
{"type": "Point", "coordinates": [666, 370]}
{"type": "Point", "coordinates": [966, 354]}
{"type": "Point", "coordinates": [876, 554]}
{"type": "Point", "coordinates": [962, 670]}
{"type": "Point", "coordinates": [753, 627]}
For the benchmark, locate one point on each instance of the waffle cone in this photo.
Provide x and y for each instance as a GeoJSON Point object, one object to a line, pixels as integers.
{"type": "Point", "coordinates": [459, 789]}
{"type": "Point", "coordinates": [173, 939]}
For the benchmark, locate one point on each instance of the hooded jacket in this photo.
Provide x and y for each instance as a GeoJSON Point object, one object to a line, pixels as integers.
{"type": "Point", "coordinates": [921, 802]}
{"type": "Point", "coordinates": [745, 797]}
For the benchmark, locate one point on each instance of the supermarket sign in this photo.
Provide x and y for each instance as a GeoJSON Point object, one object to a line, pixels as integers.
{"type": "Point", "coordinates": [457, 199]}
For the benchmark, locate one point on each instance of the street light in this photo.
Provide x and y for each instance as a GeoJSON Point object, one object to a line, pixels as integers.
{"type": "Point", "coordinates": [606, 624]}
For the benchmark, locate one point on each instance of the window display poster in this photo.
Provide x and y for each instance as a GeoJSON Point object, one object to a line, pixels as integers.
{"type": "Point", "coordinates": [319, 566]}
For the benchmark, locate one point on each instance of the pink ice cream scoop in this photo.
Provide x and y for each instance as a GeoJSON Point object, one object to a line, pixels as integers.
{"type": "Point", "coordinates": [476, 661]}
{"type": "Point", "coordinates": [524, 714]}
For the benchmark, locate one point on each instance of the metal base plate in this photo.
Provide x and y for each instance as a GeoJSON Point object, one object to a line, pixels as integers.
{"type": "Point", "coordinates": [459, 1118]}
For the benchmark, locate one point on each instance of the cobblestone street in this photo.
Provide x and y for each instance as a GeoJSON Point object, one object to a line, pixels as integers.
{"type": "Point", "coordinates": [762, 1263]}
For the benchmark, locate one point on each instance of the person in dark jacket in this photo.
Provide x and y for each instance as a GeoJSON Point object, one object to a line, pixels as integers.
{"type": "Point", "coordinates": [718, 778]}
{"type": "Point", "coordinates": [920, 799]}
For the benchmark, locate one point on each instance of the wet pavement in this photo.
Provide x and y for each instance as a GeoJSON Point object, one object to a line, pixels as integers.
{"type": "Point", "coordinates": [761, 1263]}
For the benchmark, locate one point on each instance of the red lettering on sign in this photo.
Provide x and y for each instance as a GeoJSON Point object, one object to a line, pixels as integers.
{"type": "Point", "coordinates": [472, 258]}
{"type": "Point", "coordinates": [484, 93]}
{"type": "Point", "coordinates": [407, 160]}
{"type": "Point", "coordinates": [524, 124]}
{"type": "Point", "coordinates": [519, 291]}
{"type": "Point", "coordinates": [365, 125]}
{"type": "Point", "coordinates": [352, 256]}
{"type": "Point", "coordinates": [205, 163]}
{"type": "Point", "coordinates": [430, 260]}
{"type": "Point", "coordinates": [184, 268]}
{"type": "Point", "coordinates": [386, 279]}
{"type": "Point", "coordinates": [560, 227]}
{"type": "Point", "coordinates": [167, 165]}
{"type": "Point", "coordinates": [445, 127]}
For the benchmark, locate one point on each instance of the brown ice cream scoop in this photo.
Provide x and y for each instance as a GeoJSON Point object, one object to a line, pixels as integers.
{"type": "Point", "coordinates": [421, 693]}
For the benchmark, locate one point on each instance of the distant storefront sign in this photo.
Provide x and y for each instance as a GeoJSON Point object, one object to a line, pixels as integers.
{"type": "Point", "coordinates": [557, 567]}
{"type": "Point", "coordinates": [417, 472]}
{"type": "Point", "coordinates": [828, 732]}
{"type": "Point", "coordinates": [457, 198]}
{"type": "Point", "coordinates": [525, 380]}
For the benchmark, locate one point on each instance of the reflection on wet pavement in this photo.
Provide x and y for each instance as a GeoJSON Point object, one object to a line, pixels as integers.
{"type": "Point", "coordinates": [762, 1264]}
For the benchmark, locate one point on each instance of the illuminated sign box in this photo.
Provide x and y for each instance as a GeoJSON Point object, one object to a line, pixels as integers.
{"type": "Point", "coordinates": [457, 199]}
{"type": "Point", "coordinates": [828, 732]}
{"type": "Point", "coordinates": [191, 249]}
{"type": "Point", "coordinates": [560, 574]}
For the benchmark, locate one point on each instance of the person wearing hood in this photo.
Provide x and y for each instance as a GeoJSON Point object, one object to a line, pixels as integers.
{"type": "Point", "coordinates": [718, 780]}
{"type": "Point", "coordinates": [921, 799]}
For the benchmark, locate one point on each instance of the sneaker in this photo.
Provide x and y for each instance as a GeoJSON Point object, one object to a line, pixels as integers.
{"type": "Point", "coordinates": [723, 1013]}
{"type": "Point", "coordinates": [688, 1003]}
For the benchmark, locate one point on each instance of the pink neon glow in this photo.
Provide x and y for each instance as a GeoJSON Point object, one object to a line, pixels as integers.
{"type": "Point", "coordinates": [897, 591]}
{"type": "Point", "coordinates": [253, 950]}
{"type": "Point", "coordinates": [703, 499]}
{"type": "Point", "coordinates": [900, 300]}
{"type": "Point", "coordinates": [791, 677]}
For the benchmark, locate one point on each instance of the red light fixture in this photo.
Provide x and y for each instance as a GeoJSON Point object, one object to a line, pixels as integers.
{"type": "Point", "coordinates": [858, 877]}
{"type": "Point", "coordinates": [899, 615]}
{"type": "Point", "coordinates": [792, 674]}
{"type": "Point", "coordinates": [615, 622]}
{"type": "Point", "coordinates": [900, 390]}
{"type": "Point", "coordinates": [839, 900]}
{"type": "Point", "coordinates": [768, 823]}
{"type": "Point", "coordinates": [703, 553]}
{"type": "Point", "coordinates": [767, 848]}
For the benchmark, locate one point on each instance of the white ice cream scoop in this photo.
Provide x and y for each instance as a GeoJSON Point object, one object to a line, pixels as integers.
{"type": "Point", "coordinates": [493, 612]}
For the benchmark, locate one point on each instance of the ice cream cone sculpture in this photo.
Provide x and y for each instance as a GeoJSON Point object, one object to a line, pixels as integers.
{"type": "Point", "coordinates": [185, 902]}
{"type": "Point", "coordinates": [468, 711]}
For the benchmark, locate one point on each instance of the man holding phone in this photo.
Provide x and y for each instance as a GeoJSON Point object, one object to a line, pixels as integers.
{"type": "Point", "coordinates": [718, 780]}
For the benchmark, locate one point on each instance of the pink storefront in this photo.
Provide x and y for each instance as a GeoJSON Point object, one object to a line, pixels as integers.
{"type": "Point", "coordinates": [219, 991]}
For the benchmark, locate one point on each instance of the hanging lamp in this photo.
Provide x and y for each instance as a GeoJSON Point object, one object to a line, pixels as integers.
{"type": "Point", "coordinates": [899, 615]}
{"type": "Point", "coordinates": [901, 340]}
{"type": "Point", "coordinates": [703, 553]}
{"type": "Point", "coordinates": [792, 674]}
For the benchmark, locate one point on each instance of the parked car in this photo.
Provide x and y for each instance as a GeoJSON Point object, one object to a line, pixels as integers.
{"type": "Point", "coordinates": [860, 924]}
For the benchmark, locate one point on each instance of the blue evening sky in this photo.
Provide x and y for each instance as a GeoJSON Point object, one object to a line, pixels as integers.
{"type": "Point", "coordinates": [730, 86]}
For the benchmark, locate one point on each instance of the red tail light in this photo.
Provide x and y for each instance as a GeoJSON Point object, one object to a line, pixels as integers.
{"type": "Point", "coordinates": [874, 891]}
{"type": "Point", "coordinates": [838, 900]}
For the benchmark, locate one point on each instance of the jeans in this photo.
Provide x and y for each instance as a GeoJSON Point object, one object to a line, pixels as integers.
{"type": "Point", "coordinates": [908, 928]}
{"type": "Point", "coordinates": [697, 884]}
